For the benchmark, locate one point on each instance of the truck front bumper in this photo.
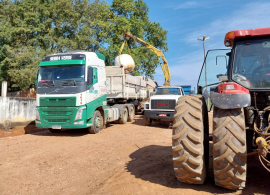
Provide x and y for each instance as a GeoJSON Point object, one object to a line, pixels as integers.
{"type": "Point", "coordinates": [61, 117]}
{"type": "Point", "coordinates": [65, 126]}
{"type": "Point", "coordinates": [158, 114]}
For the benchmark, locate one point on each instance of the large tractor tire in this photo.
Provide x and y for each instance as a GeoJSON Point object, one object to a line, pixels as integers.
{"type": "Point", "coordinates": [188, 139]}
{"type": "Point", "coordinates": [229, 148]}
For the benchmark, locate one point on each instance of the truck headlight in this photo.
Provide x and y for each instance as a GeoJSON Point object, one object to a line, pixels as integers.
{"type": "Point", "coordinates": [146, 106]}
{"type": "Point", "coordinates": [79, 123]}
{"type": "Point", "coordinates": [79, 114]}
{"type": "Point", "coordinates": [37, 115]}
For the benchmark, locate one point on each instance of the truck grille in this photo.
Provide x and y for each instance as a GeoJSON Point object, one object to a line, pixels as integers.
{"type": "Point", "coordinates": [163, 104]}
{"type": "Point", "coordinates": [57, 101]}
{"type": "Point", "coordinates": [57, 120]}
{"type": "Point", "coordinates": [57, 115]}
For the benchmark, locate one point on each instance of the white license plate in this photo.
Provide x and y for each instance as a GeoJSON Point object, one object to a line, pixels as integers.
{"type": "Point", "coordinates": [56, 127]}
{"type": "Point", "coordinates": [162, 115]}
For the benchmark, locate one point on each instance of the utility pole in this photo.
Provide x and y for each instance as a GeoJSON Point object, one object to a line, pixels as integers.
{"type": "Point", "coordinates": [203, 40]}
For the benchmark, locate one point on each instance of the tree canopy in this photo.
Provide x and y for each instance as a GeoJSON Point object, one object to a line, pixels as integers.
{"type": "Point", "coordinates": [32, 29]}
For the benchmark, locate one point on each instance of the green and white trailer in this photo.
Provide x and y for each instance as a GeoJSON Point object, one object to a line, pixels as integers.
{"type": "Point", "coordinates": [72, 92]}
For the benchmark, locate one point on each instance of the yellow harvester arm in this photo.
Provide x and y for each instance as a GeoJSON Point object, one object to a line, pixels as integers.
{"type": "Point", "coordinates": [164, 66]}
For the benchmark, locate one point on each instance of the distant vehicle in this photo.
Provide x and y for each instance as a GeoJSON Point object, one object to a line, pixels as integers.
{"type": "Point", "coordinates": [161, 104]}
{"type": "Point", "coordinates": [187, 89]}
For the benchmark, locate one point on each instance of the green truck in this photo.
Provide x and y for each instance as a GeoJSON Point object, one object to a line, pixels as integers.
{"type": "Point", "coordinates": [76, 90]}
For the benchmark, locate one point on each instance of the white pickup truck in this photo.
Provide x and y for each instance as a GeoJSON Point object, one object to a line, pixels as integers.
{"type": "Point", "coordinates": [161, 105]}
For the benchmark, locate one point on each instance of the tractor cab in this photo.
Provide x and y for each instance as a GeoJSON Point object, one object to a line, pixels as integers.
{"type": "Point", "coordinates": [243, 69]}
{"type": "Point", "coordinates": [237, 83]}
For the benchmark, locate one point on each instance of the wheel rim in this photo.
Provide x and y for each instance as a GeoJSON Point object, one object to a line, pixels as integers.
{"type": "Point", "coordinates": [125, 115]}
{"type": "Point", "coordinates": [97, 122]}
{"type": "Point", "coordinates": [132, 113]}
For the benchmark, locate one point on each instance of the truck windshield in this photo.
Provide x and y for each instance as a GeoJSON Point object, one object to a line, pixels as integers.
{"type": "Point", "coordinates": [251, 64]}
{"type": "Point", "coordinates": [61, 73]}
{"type": "Point", "coordinates": [166, 91]}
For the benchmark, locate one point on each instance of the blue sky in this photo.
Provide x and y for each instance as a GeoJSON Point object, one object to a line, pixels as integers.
{"type": "Point", "coordinates": [186, 21]}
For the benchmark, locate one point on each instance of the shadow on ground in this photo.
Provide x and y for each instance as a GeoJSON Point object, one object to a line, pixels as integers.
{"type": "Point", "coordinates": [139, 120]}
{"type": "Point", "coordinates": [64, 132]}
{"type": "Point", "coordinates": [154, 164]}
{"type": "Point", "coordinates": [67, 133]}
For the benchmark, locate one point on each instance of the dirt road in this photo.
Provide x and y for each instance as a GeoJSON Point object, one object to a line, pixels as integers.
{"type": "Point", "coordinates": [121, 159]}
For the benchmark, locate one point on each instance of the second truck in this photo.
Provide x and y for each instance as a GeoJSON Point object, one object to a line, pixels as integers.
{"type": "Point", "coordinates": [161, 104]}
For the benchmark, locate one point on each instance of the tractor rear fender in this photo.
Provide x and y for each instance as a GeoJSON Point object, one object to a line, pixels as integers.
{"type": "Point", "coordinates": [229, 101]}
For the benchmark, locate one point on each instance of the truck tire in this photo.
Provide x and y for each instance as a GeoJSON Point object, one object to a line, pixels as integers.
{"type": "Point", "coordinates": [188, 139]}
{"type": "Point", "coordinates": [97, 123]}
{"type": "Point", "coordinates": [131, 114]}
{"type": "Point", "coordinates": [124, 118]}
{"type": "Point", "coordinates": [147, 121]}
{"type": "Point", "coordinates": [229, 148]}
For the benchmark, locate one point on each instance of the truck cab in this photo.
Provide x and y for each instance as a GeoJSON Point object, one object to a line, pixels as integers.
{"type": "Point", "coordinates": [70, 88]}
{"type": "Point", "coordinates": [161, 105]}
{"type": "Point", "coordinates": [75, 90]}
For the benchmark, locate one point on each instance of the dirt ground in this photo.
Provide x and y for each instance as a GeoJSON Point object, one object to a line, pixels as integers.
{"type": "Point", "coordinates": [121, 159]}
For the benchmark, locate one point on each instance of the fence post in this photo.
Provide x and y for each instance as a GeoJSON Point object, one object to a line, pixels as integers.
{"type": "Point", "coordinates": [4, 89]}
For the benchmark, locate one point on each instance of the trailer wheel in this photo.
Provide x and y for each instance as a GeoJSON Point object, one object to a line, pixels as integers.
{"type": "Point", "coordinates": [124, 118]}
{"type": "Point", "coordinates": [54, 130]}
{"type": "Point", "coordinates": [131, 114]}
{"type": "Point", "coordinates": [229, 148]}
{"type": "Point", "coordinates": [188, 139]}
{"type": "Point", "coordinates": [147, 121]}
{"type": "Point", "coordinates": [97, 123]}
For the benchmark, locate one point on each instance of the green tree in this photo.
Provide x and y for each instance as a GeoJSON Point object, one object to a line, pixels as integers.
{"type": "Point", "coordinates": [32, 29]}
{"type": "Point", "coordinates": [132, 16]}
{"type": "Point", "coordinates": [48, 26]}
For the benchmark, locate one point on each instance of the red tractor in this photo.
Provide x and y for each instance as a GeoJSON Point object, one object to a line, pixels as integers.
{"type": "Point", "coordinates": [238, 80]}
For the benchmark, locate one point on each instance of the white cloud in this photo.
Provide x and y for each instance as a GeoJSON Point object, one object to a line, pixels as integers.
{"type": "Point", "coordinates": [186, 5]}
{"type": "Point", "coordinates": [193, 4]}
{"type": "Point", "coordinates": [252, 15]}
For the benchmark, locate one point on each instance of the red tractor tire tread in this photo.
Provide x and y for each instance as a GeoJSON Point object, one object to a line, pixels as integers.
{"type": "Point", "coordinates": [187, 139]}
{"type": "Point", "coordinates": [229, 148]}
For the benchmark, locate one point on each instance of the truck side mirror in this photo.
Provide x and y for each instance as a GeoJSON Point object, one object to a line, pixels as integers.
{"type": "Point", "coordinates": [92, 77]}
{"type": "Point", "coordinates": [95, 76]}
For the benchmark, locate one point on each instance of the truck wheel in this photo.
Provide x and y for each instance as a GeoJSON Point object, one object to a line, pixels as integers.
{"type": "Point", "coordinates": [131, 114]}
{"type": "Point", "coordinates": [54, 130]}
{"type": "Point", "coordinates": [229, 148]}
{"type": "Point", "coordinates": [97, 123]}
{"type": "Point", "coordinates": [147, 121]}
{"type": "Point", "coordinates": [124, 118]}
{"type": "Point", "coordinates": [188, 139]}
